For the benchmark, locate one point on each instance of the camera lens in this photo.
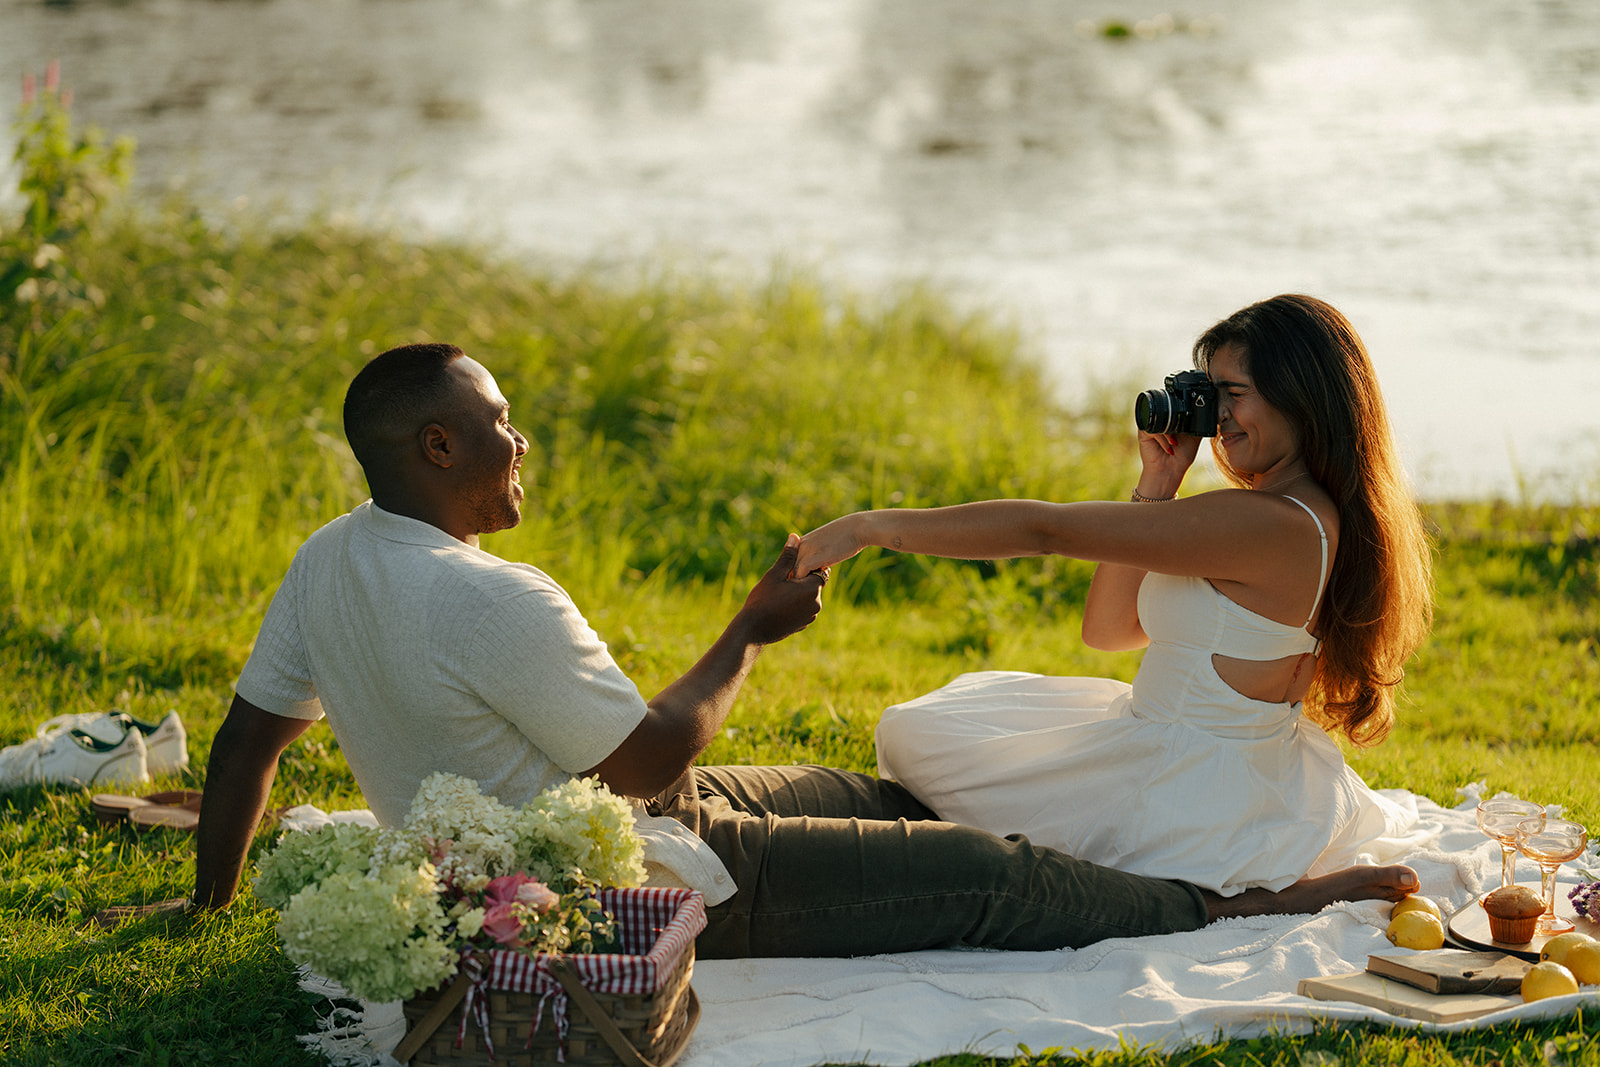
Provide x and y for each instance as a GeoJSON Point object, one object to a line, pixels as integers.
{"type": "Point", "coordinates": [1152, 411]}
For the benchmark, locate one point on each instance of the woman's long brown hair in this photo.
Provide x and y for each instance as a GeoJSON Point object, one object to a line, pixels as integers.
{"type": "Point", "coordinates": [1308, 363]}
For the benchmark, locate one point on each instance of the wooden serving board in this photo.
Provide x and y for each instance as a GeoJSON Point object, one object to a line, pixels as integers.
{"type": "Point", "coordinates": [1397, 998]}
{"type": "Point", "coordinates": [1469, 928]}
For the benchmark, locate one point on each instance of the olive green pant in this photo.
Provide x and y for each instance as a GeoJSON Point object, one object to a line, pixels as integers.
{"type": "Point", "coordinates": [834, 863]}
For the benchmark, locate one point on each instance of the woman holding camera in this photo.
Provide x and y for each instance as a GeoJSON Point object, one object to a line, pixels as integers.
{"type": "Point", "coordinates": [1272, 613]}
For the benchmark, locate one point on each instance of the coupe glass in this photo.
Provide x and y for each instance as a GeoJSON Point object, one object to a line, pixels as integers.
{"type": "Point", "coordinates": [1550, 842]}
{"type": "Point", "coordinates": [1498, 818]}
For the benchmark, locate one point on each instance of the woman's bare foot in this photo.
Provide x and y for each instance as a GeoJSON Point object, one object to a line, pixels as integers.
{"type": "Point", "coordinates": [1310, 895]}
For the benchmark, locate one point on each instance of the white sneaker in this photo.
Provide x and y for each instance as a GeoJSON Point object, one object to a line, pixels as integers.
{"type": "Point", "coordinates": [166, 742]}
{"type": "Point", "coordinates": [71, 756]}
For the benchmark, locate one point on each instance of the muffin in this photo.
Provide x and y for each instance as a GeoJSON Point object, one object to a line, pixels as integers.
{"type": "Point", "coordinates": [1514, 911]}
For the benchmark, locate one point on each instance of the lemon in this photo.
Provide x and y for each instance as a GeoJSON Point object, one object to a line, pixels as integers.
{"type": "Point", "coordinates": [1555, 950]}
{"type": "Point", "coordinates": [1416, 929]}
{"type": "Point", "coordinates": [1416, 903]}
{"type": "Point", "coordinates": [1583, 960]}
{"type": "Point", "coordinates": [1547, 980]}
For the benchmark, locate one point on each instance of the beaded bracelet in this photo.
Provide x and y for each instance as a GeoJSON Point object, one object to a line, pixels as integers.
{"type": "Point", "coordinates": [1140, 498]}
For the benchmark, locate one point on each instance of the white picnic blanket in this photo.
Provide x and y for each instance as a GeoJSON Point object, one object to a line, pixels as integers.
{"type": "Point", "coordinates": [1234, 978]}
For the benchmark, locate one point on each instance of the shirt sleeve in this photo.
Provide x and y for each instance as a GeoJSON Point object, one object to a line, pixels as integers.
{"type": "Point", "coordinates": [277, 676]}
{"type": "Point", "coordinates": [544, 669]}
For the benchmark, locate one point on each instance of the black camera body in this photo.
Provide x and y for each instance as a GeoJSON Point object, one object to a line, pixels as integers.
{"type": "Point", "coordinates": [1186, 403]}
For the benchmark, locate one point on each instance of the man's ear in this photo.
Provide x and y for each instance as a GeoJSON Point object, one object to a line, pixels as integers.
{"type": "Point", "coordinates": [435, 442]}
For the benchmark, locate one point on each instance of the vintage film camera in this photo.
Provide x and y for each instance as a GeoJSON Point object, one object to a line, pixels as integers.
{"type": "Point", "coordinates": [1186, 403]}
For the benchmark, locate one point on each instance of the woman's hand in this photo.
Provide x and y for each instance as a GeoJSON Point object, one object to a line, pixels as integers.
{"type": "Point", "coordinates": [1166, 458]}
{"type": "Point", "coordinates": [829, 544]}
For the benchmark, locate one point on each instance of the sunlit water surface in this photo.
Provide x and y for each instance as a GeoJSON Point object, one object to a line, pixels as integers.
{"type": "Point", "coordinates": [1432, 167]}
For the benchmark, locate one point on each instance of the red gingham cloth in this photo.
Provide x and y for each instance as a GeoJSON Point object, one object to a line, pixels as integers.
{"type": "Point", "coordinates": [657, 927]}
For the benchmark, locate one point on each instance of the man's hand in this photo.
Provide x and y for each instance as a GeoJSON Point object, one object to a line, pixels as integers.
{"type": "Point", "coordinates": [686, 715]}
{"type": "Point", "coordinates": [782, 603]}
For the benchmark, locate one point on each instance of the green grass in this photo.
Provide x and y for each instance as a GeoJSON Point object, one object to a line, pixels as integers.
{"type": "Point", "coordinates": [169, 433]}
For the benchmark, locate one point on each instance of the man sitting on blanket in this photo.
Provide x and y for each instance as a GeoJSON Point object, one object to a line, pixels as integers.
{"type": "Point", "coordinates": [428, 654]}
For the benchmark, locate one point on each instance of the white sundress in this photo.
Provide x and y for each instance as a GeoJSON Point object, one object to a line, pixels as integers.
{"type": "Point", "coordinates": [1176, 776]}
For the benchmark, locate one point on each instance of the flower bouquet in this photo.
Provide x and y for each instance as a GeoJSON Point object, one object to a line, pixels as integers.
{"type": "Point", "coordinates": [539, 900]}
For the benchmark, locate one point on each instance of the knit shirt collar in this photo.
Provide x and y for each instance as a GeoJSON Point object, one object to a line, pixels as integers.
{"type": "Point", "coordinates": [405, 530]}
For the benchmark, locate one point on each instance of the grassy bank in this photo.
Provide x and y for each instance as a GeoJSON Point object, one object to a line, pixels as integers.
{"type": "Point", "coordinates": [169, 396]}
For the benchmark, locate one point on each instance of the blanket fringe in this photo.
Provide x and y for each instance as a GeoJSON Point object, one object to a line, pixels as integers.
{"type": "Point", "coordinates": [348, 1037]}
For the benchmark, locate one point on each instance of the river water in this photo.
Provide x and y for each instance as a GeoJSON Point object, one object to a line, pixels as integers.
{"type": "Point", "coordinates": [1432, 167]}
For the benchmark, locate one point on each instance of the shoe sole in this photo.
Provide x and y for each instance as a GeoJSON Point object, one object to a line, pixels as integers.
{"type": "Point", "coordinates": [176, 808]}
{"type": "Point", "coordinates": [159, 815]}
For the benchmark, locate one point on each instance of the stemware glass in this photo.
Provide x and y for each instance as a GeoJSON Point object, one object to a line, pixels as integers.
{"type": "Point", "coordinates": [1498, 818]}
{"type": "Point", "coordinates": [1550, 842]}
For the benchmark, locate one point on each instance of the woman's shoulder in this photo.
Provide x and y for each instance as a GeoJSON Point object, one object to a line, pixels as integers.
{"type": "Point", "coordinates": [1292, 500]}
{"type": "Point", "coordinates": [1310, 498]}
{"type": "Point", "coordinates": [1303, 505]}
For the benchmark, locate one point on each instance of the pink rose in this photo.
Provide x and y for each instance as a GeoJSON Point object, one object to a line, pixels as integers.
{"type": "Point", "coordinates": [503, 890]}
{"type": "Point", "coordinates": [502, 923]}
{"type": "Point", "coordinates": [536, 895]}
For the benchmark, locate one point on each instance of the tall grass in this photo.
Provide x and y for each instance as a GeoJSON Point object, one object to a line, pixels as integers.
{"type": "Point", "coordinates": [170, 392]}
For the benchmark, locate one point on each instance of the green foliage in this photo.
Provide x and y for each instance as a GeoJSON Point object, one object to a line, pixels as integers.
{"type": "Point", "coordinates": [66, 180]}
{"type": "Point", "coordinates": [166, 448]}
{"type": "Point", "coordinates": [66, 177]}
{"type": "Point", "coordinates": [1507, 688]}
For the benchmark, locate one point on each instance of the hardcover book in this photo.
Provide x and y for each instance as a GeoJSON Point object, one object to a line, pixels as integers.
{"type": "Point", "coordinates": [1451, 970]}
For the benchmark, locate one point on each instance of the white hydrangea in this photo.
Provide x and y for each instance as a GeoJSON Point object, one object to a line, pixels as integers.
{"type": "Point", "coordinates": [580, 828]}
{"type": "Point", "coordinates": [469, 922]}
{"type": "Point", "coordinates": [380, 935]}
{"type": "Point", "coordinates": [302, 859]}
{"type": "Point", "coordinates": [403, 848]}
{"type": "Point", "coordinates": [479, 829]}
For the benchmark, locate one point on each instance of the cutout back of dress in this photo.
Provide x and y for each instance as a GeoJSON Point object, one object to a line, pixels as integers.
{"type": "Point", "coordinates": [1282, 678]}
{"type": "Point", "coordinates": [1258, 658]}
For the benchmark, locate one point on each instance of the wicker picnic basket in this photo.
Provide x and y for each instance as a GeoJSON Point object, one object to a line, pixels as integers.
{"type": "Point", "coordinates": [634, 1008]}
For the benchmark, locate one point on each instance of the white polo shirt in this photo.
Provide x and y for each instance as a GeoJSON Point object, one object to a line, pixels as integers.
{"type": "Point", "coordinates": [427, 654]}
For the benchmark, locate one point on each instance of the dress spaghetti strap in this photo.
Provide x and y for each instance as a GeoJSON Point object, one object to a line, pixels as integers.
{"type": "Point", "coordinates": [1322, 575]}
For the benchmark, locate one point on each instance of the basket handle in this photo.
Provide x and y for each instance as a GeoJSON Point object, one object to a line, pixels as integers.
{"type": "Point", "coordinates": [433, 1019]}
{"type": "Point", "coordinates": [603, 1023]}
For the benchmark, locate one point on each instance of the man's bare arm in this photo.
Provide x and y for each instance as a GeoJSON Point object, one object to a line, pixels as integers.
{"type": "Point", "coordinates": [244, 761]}
{"type": "Point", "coordinates": [685, 716]}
